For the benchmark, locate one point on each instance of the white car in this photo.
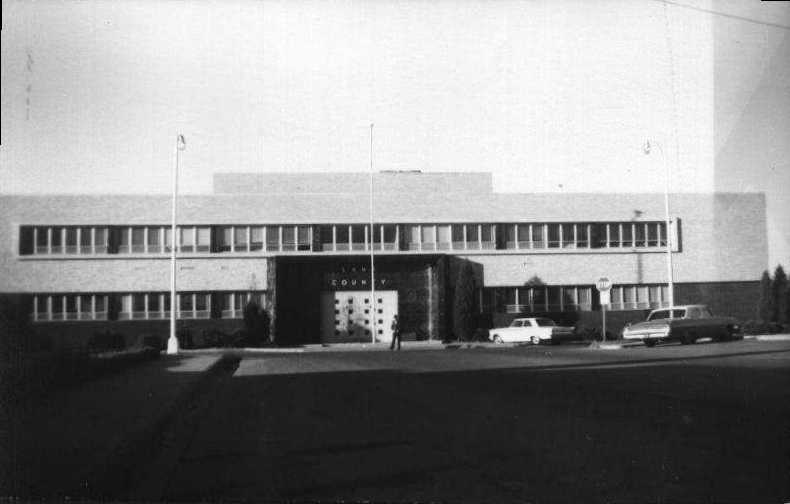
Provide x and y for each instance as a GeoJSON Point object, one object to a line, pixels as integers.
{"type": "Point", "coordinates": [533, 330]}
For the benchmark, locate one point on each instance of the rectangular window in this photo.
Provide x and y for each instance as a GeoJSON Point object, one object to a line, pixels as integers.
{"type": "Point", "coordinates": [413, 236]}
{"type": "Point", "coordinates": [524, 236]}
{"type": "Point", "coordinates": [458, 236]}
{"type": "Point", "coordinates": [390, 236]}
{"type": "Point", "coordinates": [126, 307]}
{"type": "Point", "coordinates": [166, 305]}
{"type": "Point", "coordinates": [598, 235]}
{"type": "Point", "coordinates": [629, 297]}
{"type": "Point", "coordinates": [256, 238]}
{"type": "Point", "coordinates": [186, 306]}
{"type": "Point", "coordinates": [642, 300]}
{"type": "Point", "coordinates": [85, 306]}
{"type": "Point", "coordinates": [187, 239]}
{"type": "Point", "coordinates": [614, 234]}
{"type": "Point", "coordinates": [652, 234]}
{"type": "Point", "coordinates": [85, 240]}
{"type": "Point", "coordinates": [303, 238]}
{"type": "Point", "coordinates": [124, 241]}
{"type": "Point", "coordinates": [202, 306]}
{"type": "Point", "coordinates": [510, 236]}
{"type": "Point", "coordinates": [154, 244]}
{"type": "Point", "coordinates": [537, 236]}
{"type": "Point", "coordinates": [154, 306]}
{"type": "Point", "coordinates": [325, 240]}
{"type": "Point", "coordinates": [203, 239]}
{"type": "Point", "coordinates": [582, 236]}
{"type": "Point", "coordinates": [662, 234]}
{"type": "Point", "coordinates": [42, 240]}
{"type": "Point", "coordinates": [138, 306]}
{"type": "Point", "coordinates": [584, 295]}
{"type": "Point", "coordinates": [655, 296]}
{"type": "Point", "coordinates": [487, 236]}
{"type": "Point", "coordinates": [628, 234]}
{"type": "Point", "coordinates": [272, 238]}
{"type": "Point", "coordinates": [428, 237]}
{"type": "Point", "coordinates": [240, 239]}
{"type": "Point", "coordinates": [71, 307]}
{"type": "Point", "coordinates": [168, 239]}
{"type": "Point", "coordinates": [567, 236]}
{"type": "Point", "coordinates": [57, 240]}
{"type": "Point", "coordinates": [664, 296]}
{"type": "Point", "coordinates": [101, 307]}
{"type": "Point", "coordinates": [138, 240]}
{"type": "Point", "coordinates": [71, 240]}
{"type": "Point", "coordinates": [227, 305]}
{"type": "Point", "coordinates": [639, 237]}
{"type": "Point", "coordinates": [289, 238]}
{"type": "Point", "coordinates": [224, 236]}
{"type": "Point", "coordinates": [554, 235]}
{"type": "Point", "coordinates": [539, 298]}
{"type": "Point", "coordinates": [341, 237]}
{"type": "Point", "coordinates": [443, 237]}
{"type": "Point", "coordinates": [472, 236]}
{"type": "Point", "coordinates": [42, 312]}
{"type": "Point", "coordinates": [358, 237]}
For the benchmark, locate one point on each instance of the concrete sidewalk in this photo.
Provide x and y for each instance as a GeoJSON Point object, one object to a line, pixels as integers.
{"type": "Point", "coordinates": [63, 445]}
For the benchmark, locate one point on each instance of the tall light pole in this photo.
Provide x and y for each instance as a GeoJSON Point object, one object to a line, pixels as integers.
{"type": "Point", "coordinates": [172, 342]}
{"type": "Point", "coordinates": [371, 241]}
{"type": "Point", "coordinates": [671, 288]}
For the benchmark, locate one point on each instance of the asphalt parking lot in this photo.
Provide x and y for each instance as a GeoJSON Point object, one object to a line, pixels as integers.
{"type": "Point", "coordinates": [707, 422]}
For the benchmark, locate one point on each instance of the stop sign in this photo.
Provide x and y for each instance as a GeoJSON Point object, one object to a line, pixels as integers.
{"type": "Point", "coordinates": [603, 284]}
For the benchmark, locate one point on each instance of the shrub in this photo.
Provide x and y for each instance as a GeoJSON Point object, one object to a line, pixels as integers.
{"type": "Point", "coordinates": [105, 341]}
{"type": "Point", "coordinates": [256, 325]}
{"type": "Point", "coordinates": [779, 296]}
{"type": "Point", "coordinates": [766, 302]}
{"type": "Point", "coordinates": [464, 304]}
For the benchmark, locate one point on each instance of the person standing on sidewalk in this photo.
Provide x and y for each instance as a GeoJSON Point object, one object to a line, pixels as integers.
{"type": "Point", "coordinates": [395, 333]}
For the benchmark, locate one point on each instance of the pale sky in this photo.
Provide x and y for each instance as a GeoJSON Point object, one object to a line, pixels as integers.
{"type": "Point", "coordinates": [547, 95]}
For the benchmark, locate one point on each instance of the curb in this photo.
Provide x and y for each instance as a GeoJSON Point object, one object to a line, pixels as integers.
{"type": "Point", "coordinates": [110, 477]}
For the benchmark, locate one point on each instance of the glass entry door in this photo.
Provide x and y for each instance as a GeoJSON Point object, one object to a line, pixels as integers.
{"type": "Point", "coordinates": [350, 316]}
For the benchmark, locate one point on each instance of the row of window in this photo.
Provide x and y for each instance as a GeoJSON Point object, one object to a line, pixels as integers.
{"type": "Point", "coordinates": [38, 240]}
{"type": "Point", "coordinates": [554, 298]}
{"type": "Point", "coordinates": [141, 306]}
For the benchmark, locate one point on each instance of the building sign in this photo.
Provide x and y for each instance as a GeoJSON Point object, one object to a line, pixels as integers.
{"type": "Point", "coordinates": [354, 277]}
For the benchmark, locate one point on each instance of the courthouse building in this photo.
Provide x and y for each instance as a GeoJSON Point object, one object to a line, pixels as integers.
{"type": "Point", "coordinates": [300, 245]}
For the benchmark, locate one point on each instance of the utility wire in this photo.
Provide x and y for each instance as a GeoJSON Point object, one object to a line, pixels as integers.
{"type": "Point", "coordinates": [724, 14]}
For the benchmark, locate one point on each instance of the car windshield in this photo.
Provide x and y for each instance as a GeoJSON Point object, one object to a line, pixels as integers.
{"type": "Point", "coordinates": [544, 322]}
{"type": "Point", "coordinates": [664, 314]}
{"type": "Point", "coordinates": [517, 323]}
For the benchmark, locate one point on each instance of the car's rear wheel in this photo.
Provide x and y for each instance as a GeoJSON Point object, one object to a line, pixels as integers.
{"type": "Point", "coordinates": [687, 338]}
{"type": "Point", "coordinates": [497, 339]}
{"type": "Point", "coordinates": [650, 343]}
{"type": "Point", "coordinates": [535, 340]}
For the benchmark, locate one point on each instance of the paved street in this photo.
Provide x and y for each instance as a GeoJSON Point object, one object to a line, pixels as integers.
{"type": "Point", "coordinates": [677, 423]}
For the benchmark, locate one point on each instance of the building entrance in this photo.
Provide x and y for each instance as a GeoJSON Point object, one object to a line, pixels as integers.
{"type": "Point", "coordinates": [350, 316]}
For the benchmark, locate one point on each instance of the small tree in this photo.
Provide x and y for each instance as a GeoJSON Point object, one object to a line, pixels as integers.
{"type": "Point", "coordinates": [766, 303]}
{"type": "Point", "coordinates": [256, 323]}
{"type": "Point", "coordinates": [464, 304]}
{"type": "Point", "coordinates": [780, 295]}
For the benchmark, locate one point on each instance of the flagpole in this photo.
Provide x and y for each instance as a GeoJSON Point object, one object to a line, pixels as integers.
{"type": "Point", "coordinates": [371, 241]}
{"type": "Point", "coordinates": [172, 342]}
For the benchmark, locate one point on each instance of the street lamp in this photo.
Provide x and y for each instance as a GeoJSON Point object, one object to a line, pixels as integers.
{"type": "Point", "coordinates": [172, 342]}
{"type": "Point", "coordinates": [646, 148]}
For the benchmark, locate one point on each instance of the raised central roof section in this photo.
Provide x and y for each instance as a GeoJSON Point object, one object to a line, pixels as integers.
{"type": "Point", "coordinates": [403, 182]}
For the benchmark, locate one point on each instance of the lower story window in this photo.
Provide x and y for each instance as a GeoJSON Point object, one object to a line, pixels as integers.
{"type": "Point", "coordinates": [49, 307]}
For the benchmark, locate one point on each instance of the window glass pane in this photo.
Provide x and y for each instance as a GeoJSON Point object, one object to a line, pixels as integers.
{"type": "Point", "coordinates": [153, 239]}
{"type": "Point", "coordinates": [472, 234]}
{"type": "Point", "coordinates": [186, 302]}
{"type": "Point", "coordinates": [223, 238]}
{"type": "Point", "coordinates": [458, 233]}
{"type": "Point", "coordinates": [71, 240]}
{"type": "Point", "coordinates": [126, 303]}
{"type": "Point", "coordinates": [272, 237]}
{"type": "Point", "coordinates": [303, 237]}
{"type": "Point", "coordinates": [341, 233]}
{"type": "Point", "coordinates": [358, 237]}
{"type": "Point", "coordinates": [289, 238]}
{"type": "Point", "coordinates": [71, 304]}
{"type": "Point", "coordinates": [628, 234]}
{"type": "Point", "coordinates": [413, 236]}
{"type": "Point", "coordinates": [537, 236]}
{"type": "Point", "coordinates": [662, 234]}
{"type": "Point", "coordinates": [585, 296]}
{"type": "Point", "coordinates": [555, 295]}
{"type": "Point", "coordinates": [57, 239]}
{"type": "Point", "coordinates": [390, 231]}
{"type": "Point", "coordinates": [240, 238]}
{"type": "Point", "coordinates": [153, 303]}
{"type": "Point", "coordinates": [41, 303]}
{"type": "Point", "coordinates": [41, 240]}
{"type": "Point", "coordinates": [138, 237]}
{"type": "Point", "coordinates": [629, 295]}
{"type": "Point", "coordinates": [640, 235]}
{"type": "Point", "coordinates": [582, 238]}
{"type": "Point", "coordinates": [203, 239]}
{"type": "Point", "coordinates": [138, 302]}
{"type": "Point", "coordinates": [168, 239]}
{"type": "Point", "coordinates": [100, 303]}
{"type": "Point", "coordinates": [567, 235]}
{"type": "Point", "coordinates": [428, 234]}
{"type": "Point", "coordinates": [187, 237]}
{"type": "Point", "coordinates": [554, 235]}
{"type": "Point", "coordinates": [523, 235]}
{"type": "Point", "coordinates": [652, 234]}
{"type": "Point", "coordinates": [85, 238]}
{"type": "Point", "coordinates": [256, 238]}
{"type": "Point", "coordinates": [510, 236]}
{"type": "Point", "coordinates": [201, 302]}
{"type": "Point", "coordinates": [614, 234]}
{"type": "Point", "coordinates": [486, 232]}
{"type": "Point", "coordinates": [443, 234]}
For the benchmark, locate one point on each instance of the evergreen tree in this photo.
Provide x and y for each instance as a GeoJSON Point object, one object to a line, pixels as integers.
{"type": "Point", "coordinates": [780, 295]}
{"type": "Point", "coordinates": [766, 303]}
{"type": "Point", "coordinates": [464, 304]}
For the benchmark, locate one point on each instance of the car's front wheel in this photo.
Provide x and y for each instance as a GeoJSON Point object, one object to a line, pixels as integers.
{"type": "Point", "coordinates": [497, 339]}
{"type": "Point", "coordinates": [535, 340]}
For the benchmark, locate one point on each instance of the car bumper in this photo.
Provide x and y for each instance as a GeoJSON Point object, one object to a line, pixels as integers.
{"type": "Point", "coordinates": [646, 335]}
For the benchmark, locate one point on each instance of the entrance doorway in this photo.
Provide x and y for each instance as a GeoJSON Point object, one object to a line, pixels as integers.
{"type": "Point", "coordinates": [348, 316]}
